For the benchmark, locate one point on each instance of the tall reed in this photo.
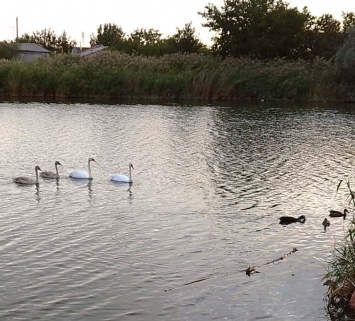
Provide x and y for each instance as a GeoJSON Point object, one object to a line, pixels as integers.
{"type": "Point", "coordinates": [178, 76]}
{"type": "Point", "coordinates": [340, 276]}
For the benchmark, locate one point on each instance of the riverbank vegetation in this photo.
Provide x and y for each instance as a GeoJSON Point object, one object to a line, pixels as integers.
{"type": "Point", "coordinates": [340, 276]}
{"type": "Point", "coordinates": [262, 50]}
{"type": "Point", "coordinates": [178, 76]}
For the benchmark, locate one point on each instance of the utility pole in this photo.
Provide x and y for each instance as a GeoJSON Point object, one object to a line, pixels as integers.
{"type": "Point", "coordinates": [16, 29]}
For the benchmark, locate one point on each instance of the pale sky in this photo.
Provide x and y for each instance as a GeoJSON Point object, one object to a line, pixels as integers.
{"type": "Point", "coordinates": [77, 17]}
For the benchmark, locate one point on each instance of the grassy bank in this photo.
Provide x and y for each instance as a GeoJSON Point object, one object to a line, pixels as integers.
{"type": "Point", "coordinates": [178, 77]}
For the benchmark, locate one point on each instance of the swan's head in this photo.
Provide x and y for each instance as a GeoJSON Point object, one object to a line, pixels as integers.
{"type": "Point", "coordinates": [131, 165]}
{"type": "Point", "coordinates": [57, 163]}
{"type": "Point", "coordinates": [37, 168]}
{"type": "Point", "coordinates": [92, 160]}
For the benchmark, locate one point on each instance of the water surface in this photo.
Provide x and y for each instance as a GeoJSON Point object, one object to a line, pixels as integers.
{"type": "Point", "coordinates": [209, 186]}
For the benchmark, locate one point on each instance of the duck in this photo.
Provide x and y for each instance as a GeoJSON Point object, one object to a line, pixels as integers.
{"type": "Point", "coordinates": [326, 224]}
{"type": "Point", "coordinates": [24, 180]}
{"type": "Point", "coordinates": [123, 178]}
{"type": "Point", "coordinates": [49, 174]}
{"type": "Point", "coordinates": [82, 174]}
{"type": "Point", "coordinates": [284, 220]}
{"type": "Point", "coordinates": [333, 213]}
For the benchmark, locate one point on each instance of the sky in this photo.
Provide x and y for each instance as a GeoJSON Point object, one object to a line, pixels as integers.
{"type": "Point", "coordinates": [80, 19]}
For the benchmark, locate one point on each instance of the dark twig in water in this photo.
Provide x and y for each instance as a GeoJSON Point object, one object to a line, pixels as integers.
{"type": "Point", "coordinates": [252, 269]}
{"type": "Point", "coordinates": [188, 283]}
{"type": "Point", "coordinates": [249, 271]}
{"type": "Point", "coordinates": [282, 257]}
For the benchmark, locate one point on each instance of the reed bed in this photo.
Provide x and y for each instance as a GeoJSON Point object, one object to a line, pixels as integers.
{"type": "Point", "coordinates": [178, 76]}
{"type": "Point", "coordinates": [340, 276]}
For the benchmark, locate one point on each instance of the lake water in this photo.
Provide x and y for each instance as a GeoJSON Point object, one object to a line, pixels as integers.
{"type": "Point", "coordinates": [209, 186]}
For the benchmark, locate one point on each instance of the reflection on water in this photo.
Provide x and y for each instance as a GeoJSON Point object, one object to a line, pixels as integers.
{"type": "Point", "coordinates": [210, 184]}
{"type": "Point", "coordinates": [38, 198]}
{"type": "Point", "coordinates": [89, 186]}
{"type": "Point", "coordinates": [86, 184]}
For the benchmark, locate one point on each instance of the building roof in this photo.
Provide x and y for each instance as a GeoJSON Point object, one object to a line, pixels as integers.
{"type": "Point", "coordinates": [78, 50]}
{"type": "Point", "coordinates": [92, 50]}
{"type": "Point", "coordinates": [32, 47]}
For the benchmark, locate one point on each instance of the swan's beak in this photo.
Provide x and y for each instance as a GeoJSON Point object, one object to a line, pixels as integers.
{"type": "Point", "coordinates": [132, 166]}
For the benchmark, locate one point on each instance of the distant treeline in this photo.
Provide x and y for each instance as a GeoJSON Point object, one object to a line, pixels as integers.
{"type": "Point", "coordinates": [258, 29]}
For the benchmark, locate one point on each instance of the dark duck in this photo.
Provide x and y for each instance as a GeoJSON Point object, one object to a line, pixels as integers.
{"type": "Point", "coordinates": [325, 224]}
{"type": "Point", "coordinates": [284, 220]}
{"type": "Point", "coordinates": [338, 213]}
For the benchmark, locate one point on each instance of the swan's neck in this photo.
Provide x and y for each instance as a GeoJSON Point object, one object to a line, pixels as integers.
{"type": "Point", "coordinates": [56, 170]}
{"type": "Point", "coordinates": [130, 174]}
{"type": "Point", "coordinates": [90, 176]}
{"type": "Point", "coordinates": [36, 176]}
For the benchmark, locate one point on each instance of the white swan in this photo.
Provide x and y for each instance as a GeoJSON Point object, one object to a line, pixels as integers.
{"type": "Point", "coordinates": [23, 180]}
{"type": "Point", "coordinates": [123, 178]}
{"type": "Point", "coordinates": [49, 174]}
{"type": "Point", "coordinates": [80, 173]}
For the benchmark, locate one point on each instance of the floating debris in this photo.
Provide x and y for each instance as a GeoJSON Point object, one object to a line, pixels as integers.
{"type": "Point", "coordinates": [249, 271]}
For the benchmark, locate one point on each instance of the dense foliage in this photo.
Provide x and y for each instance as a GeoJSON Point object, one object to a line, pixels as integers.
{"type": "Point", "coordinates": [148, 42]}
{"type": "Point", "coordinates": [258, 29]}
{"type": "Point", "coordinates": [176, 76]}
{"type": "Point", "coordinates": [49, 40]}
{"type": "Point", "coordinates": [107, 35]}
{"type": "Point", "coordinates": [266, 29]}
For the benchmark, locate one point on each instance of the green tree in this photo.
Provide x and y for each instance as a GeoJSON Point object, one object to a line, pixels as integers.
{"type": "Point", "coordinates": [262, 29]}
{"type": "Point", "coordinates": [185, 40]}
{"type": "Point", "coordinates": [348, 20]}
{"type": "Point", "coordinates": [65, 44]}
{"type": "Point", "coordinates": [143, 42]}
{"type": "Point", "coordinates": [49, 40]}
{"type": "Point", "coordinates": [286, 33]}
{"type": "Point", "coordinates": [329, 36]}
{"type": "Point", "coordinates": [107, 35]}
